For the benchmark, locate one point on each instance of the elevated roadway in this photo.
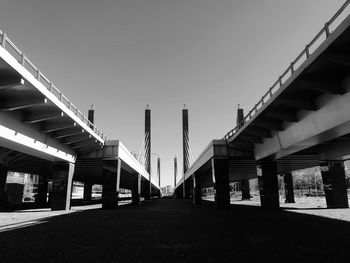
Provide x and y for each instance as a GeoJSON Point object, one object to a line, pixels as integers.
{"type": "Point", "coordinates": [303, 120]}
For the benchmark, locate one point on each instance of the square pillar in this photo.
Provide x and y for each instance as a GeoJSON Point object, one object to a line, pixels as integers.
{"type": "Point", "coordinates": [41, 197]}
{"type": "Point", "coordinates": [188, 188]}
{"type": "Point", "coordinates": [245, 189]}
{"type": "Point", "coordinates": [197, 190]}
{"type": "Point", "coordinates": [136, 190]}
{"type": "Point", "coordinates": [268, 184]}
{"type": "Point", "coordinates": [146, 189]}
{"type": "Point", "coordinates": [288, 187]}
{"type": "Point", "coordinates": [220, 173]}
{"type": "Point", "coordinates": [333, 177]}
{"type": "Point", "coordinates": [62, 182]}
{"type": "Point", "coordinates": [3, 177]}
{"type": "Point", "coordinates": [110, 183]}
{"type": "Point", "coordinates": [87, 191]}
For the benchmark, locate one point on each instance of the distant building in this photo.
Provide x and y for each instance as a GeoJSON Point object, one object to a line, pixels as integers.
{"type": "Point", "coordinates": [167, 190]}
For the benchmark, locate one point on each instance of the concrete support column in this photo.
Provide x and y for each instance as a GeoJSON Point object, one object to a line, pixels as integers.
{"type": "Point", "coordinates": [333, 176]}
{"type": "Point", "coordinates": [268, 184]}
{"type": "Point", "coordinates": [62, 180]}
{"type": "Point", "coordinates": [288, 187]}
{"type": "Point", "coordinates": [3, 177]}
{"type": "Point", "coordinates": [245, 189]}
{"type": "Point", "coordinates": [220, 173]}
{"type": "Point", "coordinates": [146, 189]}
{"type": "Point", "coordinates": [188, 188]}
{"type": "Point", "coordinates": [41, 197]}
{"type": "Point", "coordinates": [197, 190]}
{"type": "Point", "coordinates": [87, 191]}
{"type": "Point", "coordinates": [136, 190]}
{"type": "Point", "coordinates": [110, 183]}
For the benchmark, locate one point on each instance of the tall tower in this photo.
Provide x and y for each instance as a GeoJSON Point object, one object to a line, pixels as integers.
{"type": "Point", "coordinates": [240, 116]}
{"type": "Point", "coordinates": [91, 117]}
{"type": "Point", "coordinates": [185, 146]}
{"type": "Point", "coordinates": [148, 140]}
{"type": "Point", "coordinates": [185, 139]}
{"type": "Point", "coordinates": [148, 151]}
{"type": "Point", "coordinates": [175, 171]}
{"type": "Point", "coordinates": [158, 170]}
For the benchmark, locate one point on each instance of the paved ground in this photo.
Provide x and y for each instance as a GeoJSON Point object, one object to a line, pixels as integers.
{"type": "Point", "coordinates": [177, 231]}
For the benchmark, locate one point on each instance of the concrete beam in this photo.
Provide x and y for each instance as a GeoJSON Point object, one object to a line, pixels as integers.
{"type": "Point", "coordinates": [42, 116]}
{"type": "Point", "coordinates": [322, 86]}
{"type": "Point", "coordinates": [8, 84]}
{"type": "Point", "coordinates": [269, 124]}
{"type": "Point", "coordinates": [22, 103]}
{"type": "Point", "coordinates": [299, 103]}
{"type": "Point", "coordinates": [283, 116]}
{"type": "Point", "coordinates": [56, 126]}
{"type": "Point", "coordinates": [67, 132]}
{"type": "Point", "coordinates": [258, 131]}
{"type": "Point", "coordinates": [76, 138]}
{"type": "Point", "coordinates": [251, 138]}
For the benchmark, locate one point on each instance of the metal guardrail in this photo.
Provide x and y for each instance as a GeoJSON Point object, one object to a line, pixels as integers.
{"type": "Point", "coordinates": [301, 58]}
{"type": "Point", "coordinates": [12, 49]}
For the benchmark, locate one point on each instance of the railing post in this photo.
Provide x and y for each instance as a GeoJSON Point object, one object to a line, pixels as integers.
{"type": "Point", "coordinates": [307, 52]}
{"type": "Point", "coordinates": [23, 57]}
{"type": "Point", "coordinates": [292, 67]}
{"type": "Point", "coordinates": [38, 75]}
{"type": "Point", "coordinates": [280, 81]}
{"type": "Point", "coordinates": [326, 28]}
{"type": "Point", "coordinates": [3, 41]}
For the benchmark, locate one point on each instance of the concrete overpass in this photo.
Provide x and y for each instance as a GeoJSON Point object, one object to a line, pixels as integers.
{"type": "Point", "coordinates": [303, 120]}
{"type": "Point", "coordinates": [42, 132]}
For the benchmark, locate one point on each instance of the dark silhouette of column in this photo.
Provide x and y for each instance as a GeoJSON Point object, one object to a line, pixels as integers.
{"type": "Point", "coordinates": [268, 184]}
{"type": "Point", "coordinates": [136, 190]}
{"type": "Point", "coordinates": [87, 191]}
{"type": "Point", "coordinates": [333, 176]}
{"type": "Point", "coordinates": [41, 197]}
{"type": "Point", "coordinates": [3, 177]}
{"type": "Point", "coordinates": [220, 173]}
{"type": "Point", "coordinates": [110, 183]}
{"type": "Point", "coordinates": [288, 187]}
{"type": "Point", "coordinates": [245, 189]}
{"type": "Point", "coordinates": [197, 189]}
{"type": "Point", "coordinates": [62, 183]}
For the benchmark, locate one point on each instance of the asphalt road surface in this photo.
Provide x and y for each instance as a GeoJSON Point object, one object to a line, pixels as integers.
{"type": "Point", "coordinates": [177, 231]}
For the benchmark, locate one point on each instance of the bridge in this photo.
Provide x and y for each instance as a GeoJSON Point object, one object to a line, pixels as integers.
{"type": "Point", "coordinates": [302, 121]}
{"type": "Point", "coordinates": [42, 132]}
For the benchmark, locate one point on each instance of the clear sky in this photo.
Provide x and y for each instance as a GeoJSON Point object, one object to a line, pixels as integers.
{"type": "Point", "coordinates": [121, 55]}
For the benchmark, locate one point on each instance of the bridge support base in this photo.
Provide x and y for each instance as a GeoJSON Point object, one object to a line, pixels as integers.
{"type": "Point", "coordinates": [188, 188]}
{"type": "Point", "coordinates": [62, 186]}
{"type": "Point", "coordinates": [268, 184]}
{"type": "Point", "coordinates": [245, 189]}
{"type": "Point", "coordinates": [87, 191]}
{"type": "Point", "coordinates": [3, 177]}
{"type": "Point", "coordinates": [110, 183]}
{"type": "Point", "coordinates": [288, 187]}
{"type": "Point", "coordinates": [333, 176]}
{"type": "Point", "coordinates": [197, 190]}
{"type": "Point", "coordinates": [41, 197]}
{"type": "Point", "coordinates": [146, 190]}
{"type": "Point", "coordinates": [136, 190]}
{"type": "Point", "coordinates": [220, 172]}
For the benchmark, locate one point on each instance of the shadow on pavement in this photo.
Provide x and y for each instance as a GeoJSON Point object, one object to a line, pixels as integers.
{"type": "Point", "coordinates": [177, 231]}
